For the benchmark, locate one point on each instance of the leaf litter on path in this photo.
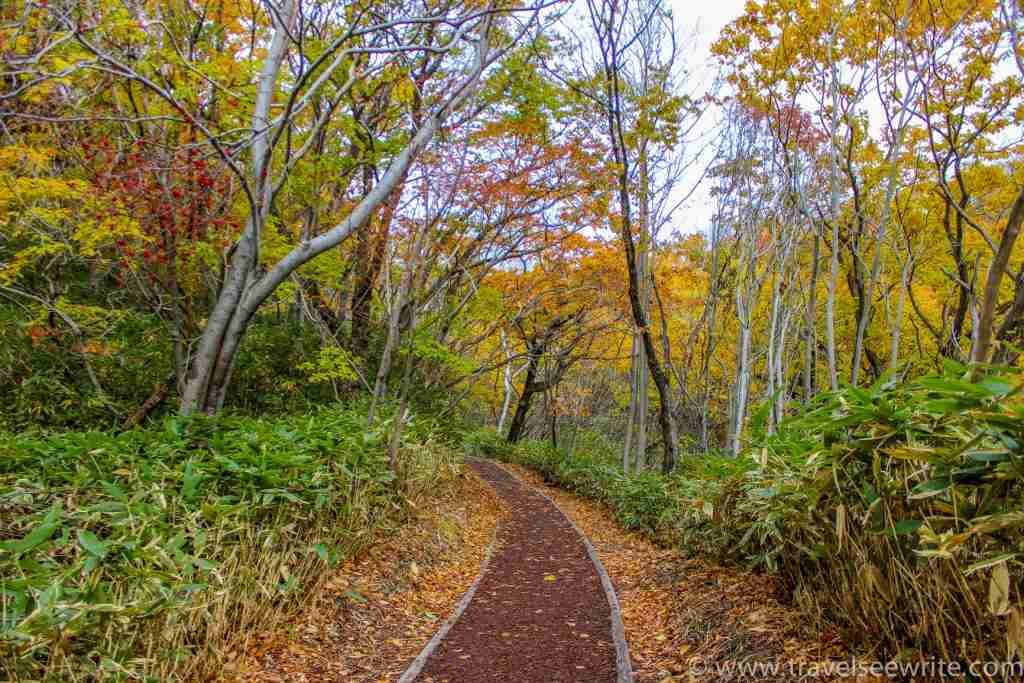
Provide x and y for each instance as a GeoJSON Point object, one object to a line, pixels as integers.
{"type": "Point", "coordinates": [690, 620]}
{"type": "Point", "coordinates": [375, 613]}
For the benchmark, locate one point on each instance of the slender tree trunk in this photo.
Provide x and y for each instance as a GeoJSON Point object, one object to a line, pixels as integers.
{"type": "Point", "coordinates": [552, 419]}
{"type": "Point", "coordinates": [996, 270]}
{"type": "Point", "coordinates": [811, 342]}
{"type": "Point", "coordinates": [709, 347]}
{"type": "Point", "coordinates": [771, 351]}
{"type": "Point", "coordinates": [634, 370]}
{"type": "Point", "coordinates": [781, 369]}
{"type": "Point", "coordinates": [643, 397]}
{"type": "Point", "coordinates": [742, 386]}
{"type": "Point", "coordinates": [830, 310]}
{"type": "Point", "coordinates": [509, 387]}
{"type": "Point", "coordinates": [833, 214]}
{"type": "Point", "coordinates": [746, 288]}
{"type": "Point", "coordinates": [515, 430]}
{"type": "Point", "coordinates": [897, 327]}
{"type": "Point", "coordinates": [642, 404]}
{"type": "Point", "coordinates": [395, 442]}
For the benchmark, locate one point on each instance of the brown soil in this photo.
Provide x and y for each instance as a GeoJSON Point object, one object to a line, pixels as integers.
{"type": "Point", "coordinates": [539, 612]}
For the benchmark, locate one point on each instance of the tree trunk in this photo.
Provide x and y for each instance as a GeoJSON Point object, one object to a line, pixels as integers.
{"type": "Point", "coordinates": [642, 403]}
{"type": "Point", "coordinates": [244, 291]}
{"type": "Point", "coordinates": [897, 326]}
{"type": "Point", "coordinates": [509, 388]}
{"type": "Point", "coordinates": [552, 420]}
{"type": "Point", "coordinates": [640, 457]}
{"type": "Point", "coordinates": [744, 306]}
{"type": "Point", "coordinates": [742, 386]}
{"type": "Point", "coordinates": [833, 216]}
{"type": "Point", "coordinates": [781, 367]}
{"type": "Point", "coordinates": [395, 442]}
{"type": "Point", "coordinates": [709, 346]}
{"type": "Point", "coordinates": [811, 342]}
{"type": "Point", "coordinates": [634, 371]}
{"type": "Point", "coordinates": [771, 352]}
{"type": "Point", "coordinates": [996, 271]}
{"type": "Point", "coordinates": [515, 430]}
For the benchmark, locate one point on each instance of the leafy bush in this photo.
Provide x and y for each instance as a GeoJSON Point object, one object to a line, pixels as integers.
{"type": "Point", "coordinates": [44, 379]}
{"type": "Point", "coordinates": [45, 370]}
{"type": "Point", "coordinates": [639, 502]}
{"type": "Point", "coordinates": [898, 509]}
{"type": "Point", "coordinates": [144, 553]}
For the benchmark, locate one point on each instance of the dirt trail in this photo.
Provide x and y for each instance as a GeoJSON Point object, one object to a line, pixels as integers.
{"type": "Point", "coordinates": [539, 612]}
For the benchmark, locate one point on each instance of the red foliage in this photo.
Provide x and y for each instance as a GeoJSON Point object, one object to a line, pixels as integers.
{"type": "Point", "coordinates": [178, 199]}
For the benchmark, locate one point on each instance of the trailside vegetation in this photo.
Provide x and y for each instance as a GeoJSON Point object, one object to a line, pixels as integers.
{"type": "Point", "coordinates": [151, 552]}
{"type": "Point", "coordinates": [266, 266]}
{"type": "Point", "coordinates": [892, 510]}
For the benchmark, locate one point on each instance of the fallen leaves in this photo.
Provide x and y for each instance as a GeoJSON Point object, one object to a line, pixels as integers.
{"type": "Point", "coordinates": [683, 616]}
{"type": "Point", "coordinates": [376, 612]}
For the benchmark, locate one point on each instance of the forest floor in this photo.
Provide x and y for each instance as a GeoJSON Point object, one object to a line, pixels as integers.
{"type": "Point", "coordinates": [689, 620]}
{"type": "Point", "coordinates": [374, 613]}
{"type": "Point", "coordinates": [539, 612]}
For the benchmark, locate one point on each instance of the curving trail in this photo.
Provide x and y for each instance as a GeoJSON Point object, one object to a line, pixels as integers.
{"type": "Point", "coordinates": [542, 610]}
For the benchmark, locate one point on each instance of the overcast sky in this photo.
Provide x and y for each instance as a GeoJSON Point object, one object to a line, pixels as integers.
{"type": "Point", "coordinates": [704, 20]}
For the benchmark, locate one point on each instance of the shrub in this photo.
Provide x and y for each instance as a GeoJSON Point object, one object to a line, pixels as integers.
{"type": "Point", "coordinates": [145, 553]}
{"type": "Point", "coordinates": [45, 370]}
{"type": "Point", "coordinates": [898, 508]}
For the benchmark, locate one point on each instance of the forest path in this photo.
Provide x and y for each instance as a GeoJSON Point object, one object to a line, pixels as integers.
{"type": "Point", "coordinates": [540, 611]}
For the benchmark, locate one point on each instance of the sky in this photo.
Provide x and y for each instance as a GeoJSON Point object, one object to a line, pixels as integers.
{"type": "Point", "coordinates": [708, 17]}
{"type": "Point", "coordinates": [703, 20]}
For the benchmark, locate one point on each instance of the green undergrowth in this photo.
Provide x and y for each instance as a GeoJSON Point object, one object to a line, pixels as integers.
{"type": "Point", "coordinates": [143, 555]}
{"type": "Point", "coordinates": [894, 512]}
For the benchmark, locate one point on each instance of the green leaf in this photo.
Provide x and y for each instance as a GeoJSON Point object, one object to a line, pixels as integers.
{"type": "Point", "coordinates": [989, 456]}
{"type": "Point", "coordinates": [927, 489]}
{"type": "Point", "coordinates": [322, 553]}
{"type": "Point", "coordinates": [204, 564]}
{"type": "Point", "coordinates": [989, 562]}
{"type": "Point", "coordinates": [905, 527]}
{"type": "Point", "coordinates": [37, 536]}
{"type": "Point", "coordinates": [190, 482]}
{"type": "Point", "coordinates": [91, 544]}
{"type": "Point", "coordinates": [996, 386]}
